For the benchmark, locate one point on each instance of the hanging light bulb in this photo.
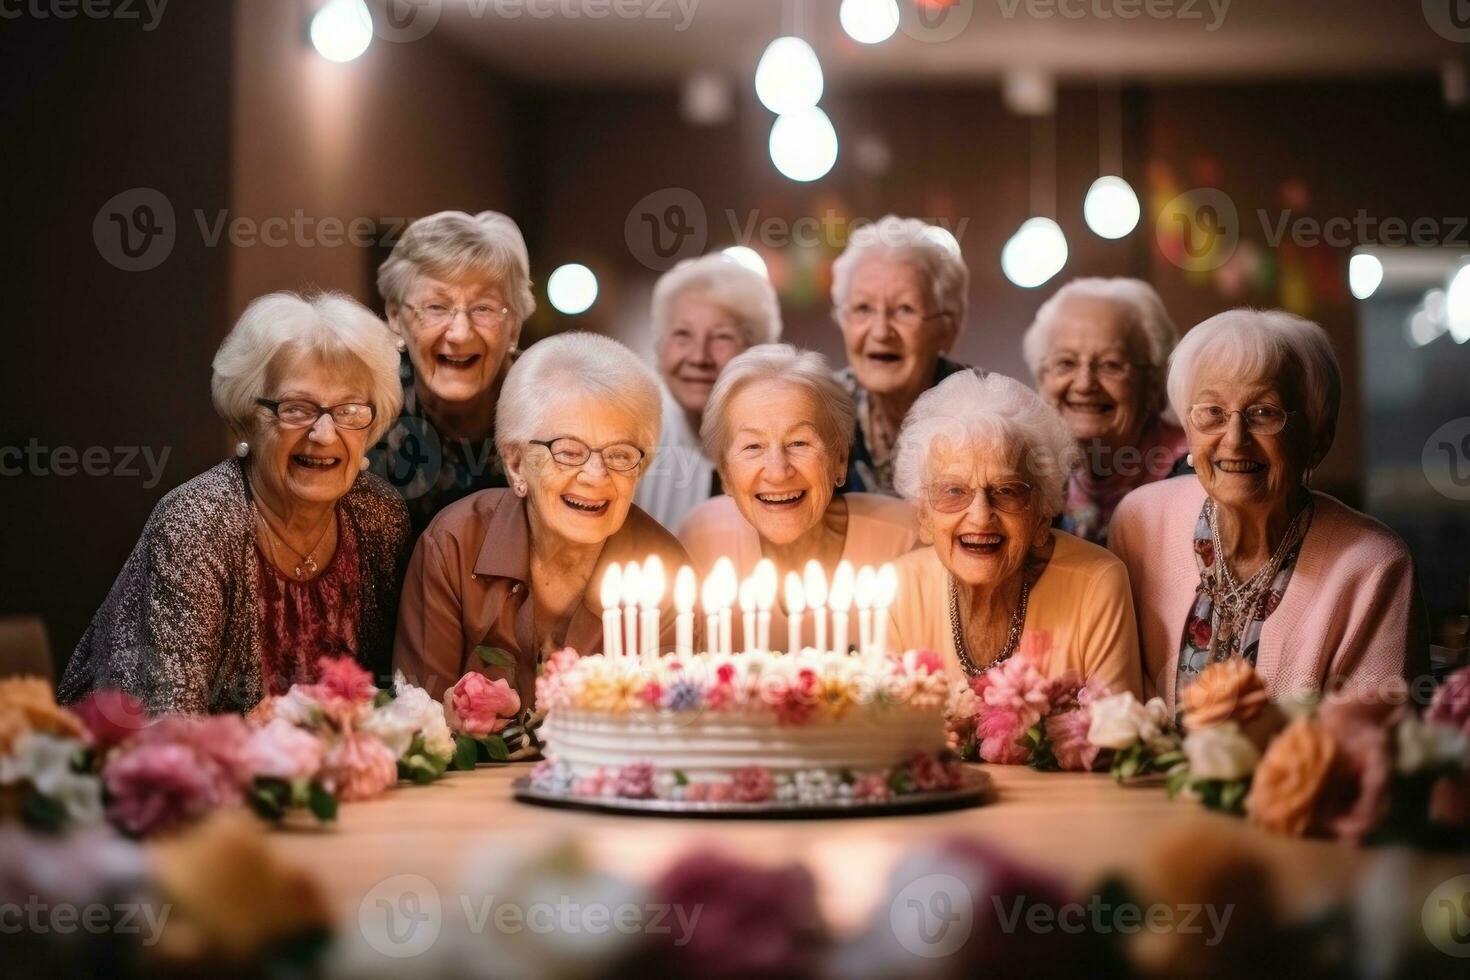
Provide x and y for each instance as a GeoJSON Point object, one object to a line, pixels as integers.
{"type": "Point", "coordinates": [1365, 274]}
{"type": "Point", "coordinates": [748, 257]}
{"type": "Point", "coordinates": [1111, 207]}
{"type": "Point", "coordinates": [572, 288]}
{"type": "Point", "coordinates": [1035, 253]}
{"type": "Point", "coordinates": [1457, 305]}
{"type": "Point", "coordinates": [788, 77]}
{"type": "Point", "coordinates": [869, 21]}
{"type": "Point", "coordinates": [342, 30]}
{"type": "Point", "coordinates": [803, 144]}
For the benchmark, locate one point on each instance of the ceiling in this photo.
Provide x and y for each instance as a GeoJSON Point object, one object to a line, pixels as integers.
{"type": "Point", "coordinates": [642, 42]}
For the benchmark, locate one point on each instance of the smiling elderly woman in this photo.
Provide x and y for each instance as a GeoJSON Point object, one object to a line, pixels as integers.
{"type": "Point", "coordinates": [1246, 560]}
{"type": "Point", "coordinates": [457, 289]}
{"type": "Point", "coordinates": [1099, 350]}
{"type": "Point", "coordinates": [778, 426]}
{"type": "Point", "coordinates": [251, 571]}
{"type": "Point", "coordinates": [986, 460]}
{"type": "Point", "coordinates": [705, 311]}
{"type": "Point", "coordinates": [899, 292]}
{"type": "Point", "coordinates": [521, 569]}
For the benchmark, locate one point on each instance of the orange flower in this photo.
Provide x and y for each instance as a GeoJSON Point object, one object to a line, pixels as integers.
{"type": "Point", "coordinates": [27, 704]}
{"type": "Point", "coordinates": [1228, 690]}
{"type": "Point", "coordinates": [1290, 779]}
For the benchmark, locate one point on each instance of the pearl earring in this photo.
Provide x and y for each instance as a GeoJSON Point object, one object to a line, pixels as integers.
{"type": "Point", "coordinates": [242, 449]}
{"type": "Point", "coordinates": [365, 463]}
{"type": "Point", "coordinates": [400, 345]}
{"type": "Point", "coordinates": [1189, 460]}
{"type": "Point", "coordinates": [520, 489]}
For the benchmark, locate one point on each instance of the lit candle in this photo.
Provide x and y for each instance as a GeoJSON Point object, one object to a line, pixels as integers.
{"type": "Point", "coordinates": [747, 614]}
{"type": "Point", "coordinates": [814, 579]}
{"type": "Point", "coordinates": [685, 592]}
{"type": "Point", "coordinates": [863, 591]}
{"type": "Point", "coordinates": [612, 593]}
{"type": "Point", "coordinates": [709, 601]}
{"type": "Point", "coordinates": [654, 585]}
{"type": "Point", "coordinates": [887, 592]}
{"type": "Point", "coordinates": [724, 570]}
{"type": "Point", "coordinates": [840, 600]}
{"type": "Point", "coordinates": [632, 588]}
{"type": "Point", "coordinates": [795, 603]}
{"type": "Point", "coordinates": [765, 599]}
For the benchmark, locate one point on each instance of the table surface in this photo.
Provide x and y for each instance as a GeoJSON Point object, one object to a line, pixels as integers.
{"type": "Point", "coordinates": [1079, 826]}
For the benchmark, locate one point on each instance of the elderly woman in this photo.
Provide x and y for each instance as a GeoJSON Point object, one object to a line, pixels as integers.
{"type": "Point", "coordinates": [1246, 560]}
{"type": "Point", "coordinates": [521, 569]}
{"type": "Point", "coordinates": [778, 426]}
{"type": "Point", "coordinates": [251, 571]}
{"type": "Point", "coordinates": [705, 311]}
{"type": "Point", "coordinates": [899, 292]}
{"type": "Point", "coordinates": [1098, 350]}
{"type": "Point", "coordinates": [457, 289]}
{"type": "Point", "coordinates": [986, 461]}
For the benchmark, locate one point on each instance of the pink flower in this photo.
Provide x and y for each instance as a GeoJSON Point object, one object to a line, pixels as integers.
{"type": "Point", "coordinates": [478, 706]}
{"type": "Point", "coordinates": [794, 703]}
{"type": "Point", "coordinates": [1000, 732]}
{"type": "Point", "coordinates": [280, 750]}
{"type": "Point", "coordinates": [159, 787]}
{"type": "Point", "coordinates": [872, 787]}
{"type": "Point", "coordinates": [110, 716]}
{"type": "Point", "coordinates": [216, 743]}
{"type": "Point", "coordinates": [360, 766]}
{"type": "Point", "coordinates": [1018, 686]}
{"type": "Point", "coordinates": [344, 678]}
{"type": "Point", "coordinates": [1451, 703]}
{"type": "Point", "coordinates": [931, 775]}
{"type": "Point", "coordinates": [923, 661]}
{"type": "Point", "coordinates": [1067, 732]}
{"type": "Point", "coordinates": [1355, 799]}
{"type": "Point", "coordinates": [592, 784]}
{"type": "Point", "coordinates": [549, 683]}
{"type": "Point", "coordinates": [652, 694]}
{"type": "Point", "coordinates": [753, 784]}
{"type": "Point", "coordinates": [720, 792]}
{"type": "Point", "coordinates": [634, 782]}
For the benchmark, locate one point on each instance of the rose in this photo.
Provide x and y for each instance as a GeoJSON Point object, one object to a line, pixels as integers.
{"type": "Point", "coordinates": [1227, 690]}
{"type": "Point", "coordinates": [1451, 703]}
{"type": "Point", "coordinates": [999, 732]}
{"type": "Point", "coordinates": [478, 706]}
{"type": "Point", "coordinates": [360, 766]}
{"type": "Point", "coordinates": [110, 716]}
{"type": "Point", "coordinates": [411, 712]}
{"type": "Point", "coordinates": [1067, 732]}
{"type": "Point", "coordinates": [1290, 778]}
{"type": "Point", "coordinates": [1120, 722]}
{"type": "Point", "coordinates": [157, 787]}
{"type": "Point", "coordinates": [1220, 752]}
{"type": "Point", "coordinates": [280, 750]}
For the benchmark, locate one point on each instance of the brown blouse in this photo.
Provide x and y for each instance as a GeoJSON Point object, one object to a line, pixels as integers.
{"type": "Point", "coordinates": [469, 585]}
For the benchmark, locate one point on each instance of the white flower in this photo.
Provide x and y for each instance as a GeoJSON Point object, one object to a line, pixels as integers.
{"type": "Point", "coordinates": [1424, 746]}
{"type": "Point", "coordinates": [1117, 721]}
{"type": "Point", "coordinates": [280, 750]}
{"type": "Point", "coordinates": [45, 762]}
{"type": "Point", "coordinates": [411, 712]}
{"type": "Point", "coordinates": [1220, 752]}
{"type": "Point", "coordinates": [299, 708]}
{"type": "Point", "coordinates": [962, 703]}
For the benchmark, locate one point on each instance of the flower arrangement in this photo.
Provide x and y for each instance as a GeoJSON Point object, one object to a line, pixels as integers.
{"type": "Point", "coordinates": [482, 717]}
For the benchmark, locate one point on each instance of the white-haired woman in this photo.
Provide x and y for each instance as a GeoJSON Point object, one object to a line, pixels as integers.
{"type": "Point", "coordinates": [249, 573]}
{"type": "Point", "coordinates": [521, 569]}
{"type": "Point", "coordinates": [778, 426]}
{"type": "Point", "coordinates": [899, 293]}
{"type": "Point", "coordinates": [986, 462]}
{"type": "Point", "coordinates": [705, 311]}
{"type": "Point", "coordinates": [456, 288]}
{"type": "Point", "coordinates": [1099, 350]}
{"type": "Point", "coordinates": [1246, 560]}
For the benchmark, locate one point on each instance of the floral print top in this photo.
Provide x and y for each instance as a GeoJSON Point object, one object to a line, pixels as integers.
{"type": "Point", "coordinates": [1201, 646]}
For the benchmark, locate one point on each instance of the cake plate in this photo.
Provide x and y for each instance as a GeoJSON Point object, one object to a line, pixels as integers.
{"type": "Point", "coordinates": [974, 790]}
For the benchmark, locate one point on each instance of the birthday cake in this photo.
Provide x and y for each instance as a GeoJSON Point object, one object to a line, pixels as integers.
{"type": "Point", "coordinates": [811, 728]}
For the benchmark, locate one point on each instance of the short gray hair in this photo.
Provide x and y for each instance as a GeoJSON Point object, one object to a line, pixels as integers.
{"type": "Point", "coordinates": [1142, 301]}
{"type": "Point", "coordinates": [576, 364]}
{"type": "Point", "coordinates": [927, 247]}
{"type": "Point", "coordinates": [1250, 344]}
{"type": "Point", "coordinates": [744, 293]}
{"type": "Point", "coordinates": [964, 409]}
{"type": "Point", "coordinates": [332, 325]}
{"type": "Point", "coordinates": [836, 413]}
{"type": "Point", "coordinates": [452, 245]}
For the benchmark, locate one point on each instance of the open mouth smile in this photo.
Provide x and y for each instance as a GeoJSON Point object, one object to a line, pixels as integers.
{"type": "Point", "coordinates": [1089, 408]}
{"type": "Point", "coordinates": [457, 361]}
{"type": "Point", "coordinates": [786, 500]}
{"type": "Point", "coordinates": [582, 505]}
{"type": "Point", "coordinates": [981, 544]}
{"type": "Point", "coordinates": [315, 462]}
{"type": "Point", "coordinates": [1239, 466]}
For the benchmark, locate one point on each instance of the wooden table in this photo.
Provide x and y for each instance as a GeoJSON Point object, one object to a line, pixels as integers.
{"type": "Point", "coordinates": [1079, 826]}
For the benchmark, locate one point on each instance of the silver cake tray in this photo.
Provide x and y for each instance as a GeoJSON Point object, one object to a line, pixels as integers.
{"type": "Point", "coordinates": [975, 790]}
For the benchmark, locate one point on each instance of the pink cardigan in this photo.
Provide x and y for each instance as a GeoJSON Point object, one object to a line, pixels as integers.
{"type": "Point", "coordinates": [1351, 616]}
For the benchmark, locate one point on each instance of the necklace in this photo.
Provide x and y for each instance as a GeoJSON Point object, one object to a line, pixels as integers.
{"type": "Point", "coordinates": [1013, 635]}
{"type": "Point", "coordinates": [306, 565]}
{"type": "Point", "coordinates": [1235, 602]}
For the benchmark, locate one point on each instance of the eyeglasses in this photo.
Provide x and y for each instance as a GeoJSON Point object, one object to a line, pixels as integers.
{"type": "Point", "coordinates": [438, 315]}
{"type": "Point", "coordinates": [902, 315]}
{"type": "Point", "coordinates": [1261, 420]}
{"type": "Point", "coordinates": [619, 457]}
{"type": "Point", "coordinates": [1008, 498]}
{"type": "Point", "coordinates": [1106, 368]}
{"type": "Point", "coordinates": [300, 414]}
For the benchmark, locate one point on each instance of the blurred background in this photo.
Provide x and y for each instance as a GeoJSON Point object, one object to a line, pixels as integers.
{"type": "Point", "coordinates": [166, 162]}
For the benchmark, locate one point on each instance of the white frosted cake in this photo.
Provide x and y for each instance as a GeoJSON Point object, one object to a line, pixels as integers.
{"type": "Point", "coordinates": [804, 728]}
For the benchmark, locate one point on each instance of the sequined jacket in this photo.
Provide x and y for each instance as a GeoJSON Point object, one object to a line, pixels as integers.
{"type": "Point", "coordinates": [178, 629]}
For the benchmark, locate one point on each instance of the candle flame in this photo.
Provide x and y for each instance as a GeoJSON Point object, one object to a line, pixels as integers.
{"type": "Point", "coordinates": [887, 586]}
{"type": "Point", "coordinates": [632, 583]}
{"type": "Point", "coordinates": [747, 595]}
{"type": "Point", "coordinates": [686, 590]}
{"type": "Point", "coordinates": [612, 585]}
{"type": "Point", "coordinates": [727, 583]}
{"type": "Point", "coordinates": [866, 587]}
{"type": "Point", "coordinates": [840, 597]}
{"type": "Point", "coordinates": [795, 594]}
{"type": "Point", "coordinates": [654, 583]}
{"type": "Point", "coordinates": [814, 578]}
{"type": "Point", "coordinates": [709, 594]}
{"type": "Point", "coordinates": [766, 583]}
